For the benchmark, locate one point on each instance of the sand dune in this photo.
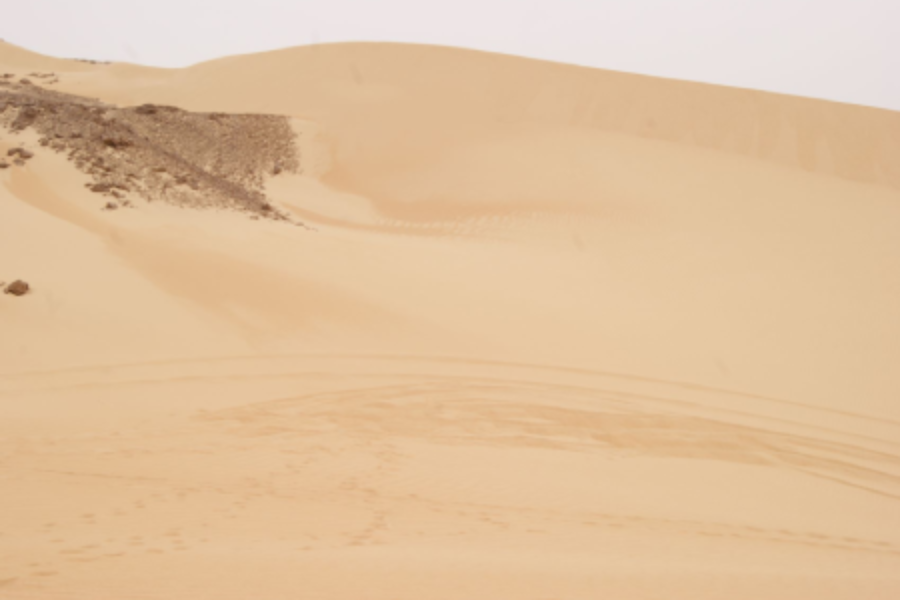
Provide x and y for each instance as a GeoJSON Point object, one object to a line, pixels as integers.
{"type": "Point", "coordinates": [546, 332]}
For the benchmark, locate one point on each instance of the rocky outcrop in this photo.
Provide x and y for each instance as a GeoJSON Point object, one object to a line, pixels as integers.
{"type": "Point", "coordinates": [156, 152]}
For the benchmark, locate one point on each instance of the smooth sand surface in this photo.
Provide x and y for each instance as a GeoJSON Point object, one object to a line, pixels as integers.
{"type": "Point", "coordinates": [550, 333]}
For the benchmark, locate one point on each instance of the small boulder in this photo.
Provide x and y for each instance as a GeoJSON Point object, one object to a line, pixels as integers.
{"type": "Point", "coordinates": [111, 206]}
{"type": "Point", "coordinates": [17, 288]}
{"type": "Point", "coordinates": [4, 165]}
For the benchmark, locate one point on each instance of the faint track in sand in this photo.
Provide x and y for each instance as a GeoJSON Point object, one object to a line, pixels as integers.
{"type": "Point", "coordinates": [108, 375]}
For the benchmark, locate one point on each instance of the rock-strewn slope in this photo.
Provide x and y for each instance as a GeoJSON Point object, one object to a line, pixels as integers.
{"type": "Point", "coordinates": [158, 152]}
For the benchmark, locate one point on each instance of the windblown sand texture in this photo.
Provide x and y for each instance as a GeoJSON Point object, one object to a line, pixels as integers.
{"type": "Point", "coordinates": [547, 333]}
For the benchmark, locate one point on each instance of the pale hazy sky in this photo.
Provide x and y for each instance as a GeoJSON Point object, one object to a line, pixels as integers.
{"type": "Point", "coordinates": [846, 50]}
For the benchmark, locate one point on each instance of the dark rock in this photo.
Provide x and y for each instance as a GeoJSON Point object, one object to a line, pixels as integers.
{"type": "Point", "coordinates": [111, 206]}
{"type": "Point", "coordinates": [4, 165]}
{"type": "Point", "coordinates": [18, 288]}
{"type": "Point", "coordinates": [116, 143]}
{"type": "Point", "coordinates": [101, 188]}
{"type": "Point", "coordinates": [152, 109]}
{"type": "Point", "coordinates": [21, 152]}
{"type": "Point", "coordinates": [25, 82]}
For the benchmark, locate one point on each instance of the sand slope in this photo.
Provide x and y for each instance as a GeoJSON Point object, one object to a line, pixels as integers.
{"type": "Point", "coordinates": [551, 332]}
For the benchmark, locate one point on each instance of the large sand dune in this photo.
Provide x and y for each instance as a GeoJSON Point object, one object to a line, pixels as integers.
{"type": "Point", "coordinates": [529, 331]}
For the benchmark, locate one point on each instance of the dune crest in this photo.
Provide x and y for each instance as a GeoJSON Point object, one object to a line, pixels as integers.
{"type": "Point", "coordinates": [435, 94]}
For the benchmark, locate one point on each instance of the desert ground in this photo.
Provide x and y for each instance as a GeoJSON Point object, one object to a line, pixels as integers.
{"type": "Point", "coordinates": [396, 322]}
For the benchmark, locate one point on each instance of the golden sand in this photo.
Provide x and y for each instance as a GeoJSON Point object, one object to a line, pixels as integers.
{"type": "Point", "coordinates": [549, 333]}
